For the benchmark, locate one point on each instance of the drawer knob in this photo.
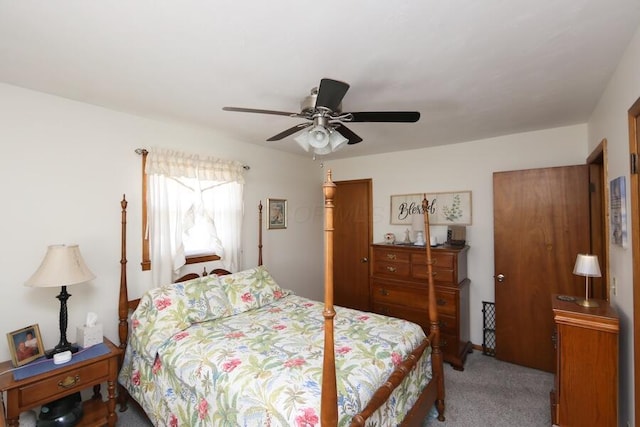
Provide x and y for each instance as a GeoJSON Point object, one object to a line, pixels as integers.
{"type": "Point", "coordinates": [384, 292]}
{"type": "Point", "coordinates": [391, 256]}
{"type": "Point", "coordinates": [391, 269]}
{"type": "Point", "coordinates": [69, 381]}
{"type": "Point", "coordinates": [441, 301]}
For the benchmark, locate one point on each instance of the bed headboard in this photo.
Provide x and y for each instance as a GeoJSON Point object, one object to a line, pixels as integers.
{"type": "Point", "coordinates": [125, 305]}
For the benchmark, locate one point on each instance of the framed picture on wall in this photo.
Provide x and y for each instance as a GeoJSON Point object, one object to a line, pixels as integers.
{"type": "Point", "coordinates": [618, 204]}
{"type": "Point", "coordinates": [452, 208]}
{"type": "Point", "coordinates": [277, 211]}
{"type": "Point", "coordinates": [25, 345]}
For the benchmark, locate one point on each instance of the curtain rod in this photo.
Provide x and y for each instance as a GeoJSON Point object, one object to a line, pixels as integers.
{"type": "Point", "coordinates": [144, 151]}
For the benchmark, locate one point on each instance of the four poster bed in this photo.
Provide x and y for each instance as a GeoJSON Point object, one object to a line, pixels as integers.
{"type": "Point", "coordinates": [236, 349]}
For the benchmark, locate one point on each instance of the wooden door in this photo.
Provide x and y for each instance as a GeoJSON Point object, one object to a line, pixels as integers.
{"type": "Point", "coordinates": [541, 223]}
{"type": "Point", "coordinates": [353, 224]}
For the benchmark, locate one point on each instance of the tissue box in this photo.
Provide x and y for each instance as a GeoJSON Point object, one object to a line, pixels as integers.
{"type": "Point", "coordinates": [89, 335]}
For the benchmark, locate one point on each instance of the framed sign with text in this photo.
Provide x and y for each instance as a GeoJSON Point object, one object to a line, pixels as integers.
{"type": "Point", "coordinates": [452, 208]}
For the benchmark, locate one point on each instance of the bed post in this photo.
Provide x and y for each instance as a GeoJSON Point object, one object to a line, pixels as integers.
{"type": "Point", "coordinates": [329, 404]}
{"type": "Point", "coordinates": [260, 233]}
{"type": "Point", "coordinates": [436, 354]}
{"type": "Point", "coordinates": [123, 300]}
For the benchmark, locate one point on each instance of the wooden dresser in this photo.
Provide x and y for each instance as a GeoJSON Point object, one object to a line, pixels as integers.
{"type": "Point", "coordinates": [586, 382]}
{"type": "Point", "coordinates": [398, 288]}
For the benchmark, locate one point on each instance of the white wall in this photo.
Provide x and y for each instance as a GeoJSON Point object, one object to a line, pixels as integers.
{"type": "Point", "coordinates": [64, 168]}
{"type": "Point", "coordinates": [609, 121]}
{"type": "Point", "coordinates": [466, 166]}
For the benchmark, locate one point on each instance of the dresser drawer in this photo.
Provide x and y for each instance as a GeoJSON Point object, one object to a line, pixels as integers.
{"type": "Point", "coordinates": [440, 260]}
{"type": "Point", "coordinates": [446, 303]}
{"type": "Point", "coordinates": [448, 324]}
{"type": "Point", "coordinates": [398, 270]}
{"type": "Point", "coordinates": [414, 315]}
{"type": "Point", "coordinates": [390, 254]}
{"type": "Point", "coordinates": [388, 293]}
{"type": "Point", "coordinates": [448, 343]}
{"type": "Point", "coordinates": [72, 380]}
{"type": "Point", "coordinates": [421, 271]}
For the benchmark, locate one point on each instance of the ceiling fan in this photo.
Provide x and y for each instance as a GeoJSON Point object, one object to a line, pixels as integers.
{"type": "Point", "coordinates": [322, 108]}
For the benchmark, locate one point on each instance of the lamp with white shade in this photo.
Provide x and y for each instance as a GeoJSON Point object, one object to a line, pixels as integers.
{"type": "Point", "coordinates": [62, 266]}
{"type": "Point", "coordinates": [587, 266]}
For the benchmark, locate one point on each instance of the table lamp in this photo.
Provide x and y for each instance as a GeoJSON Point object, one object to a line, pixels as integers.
{"type": "Point", "coordinates": [62, 266]}
{"type": "Point", "coordinates": [587, 266]}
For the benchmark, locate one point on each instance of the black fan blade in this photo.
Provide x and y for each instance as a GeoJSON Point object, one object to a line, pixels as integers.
{"type": "Point", "coordinates": [386, 116]}
{"type": "Point", "coordinates": [289, 131]}
{"type": "Point", "coordinates": [255, 110]}
{"type": "Point", "coordinates": [348, 133]}
{"type": "Point", "coordinates": [330, 93]}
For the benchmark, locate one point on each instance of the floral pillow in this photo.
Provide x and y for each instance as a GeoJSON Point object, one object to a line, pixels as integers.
{"type": "Point", "coordinates": [250, 289]}
{"type": "Point", "coordinates": [167, 310]}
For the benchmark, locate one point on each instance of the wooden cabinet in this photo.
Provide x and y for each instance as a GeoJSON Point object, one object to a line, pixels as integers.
{"type": "Point", "coordinates": [398, 288]}
{"type": "Point", "coordinates": [586, 382]}
{"type": "Point", "coordinates": [64, 380]}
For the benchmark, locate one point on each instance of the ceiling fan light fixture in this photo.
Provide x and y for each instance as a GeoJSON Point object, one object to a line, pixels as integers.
{"type": "Point", "coordinates": [303, 141]}
{"type": "Point", "coordinates": [337, 140]}
{"type": "Point", "coordinates": [321, 140]}
{"type": "Point", "coordinates": [318, 137]}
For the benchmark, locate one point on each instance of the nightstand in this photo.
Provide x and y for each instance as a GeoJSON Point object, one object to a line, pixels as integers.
{"type": "Point", "coordinates": [63, 380]}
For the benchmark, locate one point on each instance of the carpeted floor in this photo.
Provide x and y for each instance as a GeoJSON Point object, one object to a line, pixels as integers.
{"type": "Point", "coordinates": [488, 393]}
{"type": "Point", "coordinates": [494, 393]}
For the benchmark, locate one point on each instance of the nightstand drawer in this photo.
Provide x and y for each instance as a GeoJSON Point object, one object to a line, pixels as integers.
{"type": "Point", "coordinates": [71, 380]}
{"type": "Point", "coordinates": [387, 293]}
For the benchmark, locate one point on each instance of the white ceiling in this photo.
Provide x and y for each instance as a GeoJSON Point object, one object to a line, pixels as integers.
{"type": "Point", "coordinates": [473, 68]}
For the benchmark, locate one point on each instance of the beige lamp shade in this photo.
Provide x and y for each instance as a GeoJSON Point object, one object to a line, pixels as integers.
{"type": "Point", "coordinates": [62, 265]}
{"type": "Point", "coordinates": [587, 265]}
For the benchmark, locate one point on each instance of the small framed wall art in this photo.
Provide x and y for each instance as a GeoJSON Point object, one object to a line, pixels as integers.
{"type": "Point", "coordinates": [452, 208]}
{"type": "Point", "coordinates": [277, 211]}
{"type": "Point", "coordinates": [25, 345]}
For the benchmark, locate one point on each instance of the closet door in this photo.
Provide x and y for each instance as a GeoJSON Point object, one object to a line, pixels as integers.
{"type": "Point", "coordinates": [353, 223]}
{"type": "Point", "coordinates": [541, 222]}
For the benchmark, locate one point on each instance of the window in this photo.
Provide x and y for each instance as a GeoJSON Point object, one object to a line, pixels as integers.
{"type": "Point", "coordinates": [192, 212]}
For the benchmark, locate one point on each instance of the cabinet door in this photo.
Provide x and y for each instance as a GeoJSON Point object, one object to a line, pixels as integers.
{"type": "Point", "coordinates": [587, 381]}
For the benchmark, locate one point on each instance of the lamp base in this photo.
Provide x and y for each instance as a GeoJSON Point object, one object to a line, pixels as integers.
{"type": "Point", "coordinates": [61, 348]}
{"type": "Point", "coordinates": [587, 303]}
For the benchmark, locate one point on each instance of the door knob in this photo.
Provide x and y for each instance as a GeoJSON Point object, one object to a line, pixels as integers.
{"type": "Point", "coordinates": [364, 260]}
{"type": "Point", "coordinates": [500, 277]}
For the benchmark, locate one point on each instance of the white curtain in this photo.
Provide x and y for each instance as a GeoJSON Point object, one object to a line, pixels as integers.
{"type": "Point", "coordinates": [174, 178]}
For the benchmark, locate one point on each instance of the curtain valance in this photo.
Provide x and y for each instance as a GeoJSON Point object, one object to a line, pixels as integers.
{"type": "Point", "coordinates": [175, 163]}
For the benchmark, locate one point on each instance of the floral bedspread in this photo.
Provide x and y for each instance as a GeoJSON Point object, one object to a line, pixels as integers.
{"type": "Point", "coordinates": [239, 351]}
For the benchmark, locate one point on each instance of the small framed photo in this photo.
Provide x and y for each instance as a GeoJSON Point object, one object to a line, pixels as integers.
{"type": "Point", "coordinates": [25, 345]}
{"type": "Point", "coordinates": [277, 210]}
